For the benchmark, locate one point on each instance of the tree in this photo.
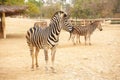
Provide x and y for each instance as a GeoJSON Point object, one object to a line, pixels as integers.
{"type": "Point", "coordinates": [94, 8]}
{"type": "Point", "coordinates": [38, 3]}
{"type": "Point", "coordinates": [48, 11]}
{"type": "Point", "coordinates": [34, 8]}
{"type": "Point", "coordinates": [76, 10]}
{"type": "Point", "coordinates": [12, 2]}
{"type": "Point", "coordinates": [117, 7]}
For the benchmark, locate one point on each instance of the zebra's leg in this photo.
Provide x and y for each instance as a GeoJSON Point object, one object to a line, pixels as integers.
{"type": "Point", "coordinates": [78, 39]}
{"type": "Point", "coordinates": [85, 39]}
{"type": "Point", "coordinates": [73, 39]}
{"type": "Point", "coordinates": [32, 55]}
{"type": "Point", "coordinates": [89, 41]}
{"type": "Point", "coordinates": [53, 51]}
{"type": "Point", "coordinates": [46, 58]}
{"type": "Point", "coordinates": [36, 56]}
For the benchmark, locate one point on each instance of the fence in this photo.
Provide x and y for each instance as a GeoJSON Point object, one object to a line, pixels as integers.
{"type": "Point", "coordinates": [84, 22]}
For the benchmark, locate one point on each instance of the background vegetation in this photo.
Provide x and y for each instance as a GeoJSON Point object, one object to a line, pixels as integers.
{"type": "Point", "coordinates": [77, 9]}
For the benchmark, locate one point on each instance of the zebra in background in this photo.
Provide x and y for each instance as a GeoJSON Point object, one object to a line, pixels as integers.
{"type": "Point", "coordinates": [85, 31]}
{"type": "Point", "coordinates": [40, 24]}
{"type": "Point", "coordinates": [47, 38]}
{"type": "Point", "coordinates": [74, 34]}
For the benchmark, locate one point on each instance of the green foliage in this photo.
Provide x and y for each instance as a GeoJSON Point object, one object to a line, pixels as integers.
{"type": "Point", "coordinates": [12, 2]}
{"type": "Point", "coordinates": [48, 11]}
{"type": "Point", "coordinates": [33, 10]}
{"type": "Point", "coordinates": [38, 3]}
{"type": "Point", "coordinates": [33, 6]}
{"type": "Point", "coordinates": [80, 9]}
{"type": "Point", "coordinates": [117, 7]}
{"type": "Point", "coordinates": [94, 8]}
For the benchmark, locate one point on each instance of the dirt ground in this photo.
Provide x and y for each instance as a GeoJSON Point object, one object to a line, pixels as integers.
{"type": "Point", "coordinates": [100, 61]}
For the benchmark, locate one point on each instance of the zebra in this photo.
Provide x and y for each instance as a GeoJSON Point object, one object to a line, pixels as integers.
{"type": "Point", "coordinates": [85, 31]}
{"type": "Point", "coordinates": [74, 34]}
{"type": "Point", "coordinates": [40, 24]}
{"type": "Point", "coordinates": [47, 38]}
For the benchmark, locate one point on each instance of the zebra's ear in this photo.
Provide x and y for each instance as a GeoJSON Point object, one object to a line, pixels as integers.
{"type": "Point", "coordinates": [65, 15]}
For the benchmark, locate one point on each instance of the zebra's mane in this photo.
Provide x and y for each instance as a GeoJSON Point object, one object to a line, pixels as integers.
{"type": "Point", "coordinates": [65, 14]}
{"type": "Point", "coordinates": [93, 24]}
{"type": "Point", "coordinates": [57, 13]}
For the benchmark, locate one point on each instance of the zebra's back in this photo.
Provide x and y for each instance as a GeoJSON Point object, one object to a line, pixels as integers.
{"type": "Point", "coordinates": [83, 30]}
{"type": "Point", "coordinates": [36, 37]}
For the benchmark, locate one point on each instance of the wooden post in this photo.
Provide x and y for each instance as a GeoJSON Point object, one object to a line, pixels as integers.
{"type": "Point", "coordinates": [3, 25]}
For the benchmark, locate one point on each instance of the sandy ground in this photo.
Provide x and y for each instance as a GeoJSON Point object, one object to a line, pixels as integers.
{"type": "Point", "coordinates": [100, 61]}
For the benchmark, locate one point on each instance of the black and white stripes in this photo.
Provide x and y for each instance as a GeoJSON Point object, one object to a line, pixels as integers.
{"type": "Point", "coordinates": [85, 31]}
{"type": "Point", "coordinates": [46, 38]}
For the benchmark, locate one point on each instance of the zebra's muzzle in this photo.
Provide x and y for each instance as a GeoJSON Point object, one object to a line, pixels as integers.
{"type": "Point", "coordinates": [101, 29]}
{"type": "Point", "coordinates": [72, 30]}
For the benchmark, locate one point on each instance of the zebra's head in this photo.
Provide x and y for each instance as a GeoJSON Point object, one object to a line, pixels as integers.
{"type": "Point", "coordinates": [98, 25]}
{"type": "Point", "coordinates": [64, 20]}
{"type": "Point", "coordinates": [66, 23]}
{"type": "Point", "coordinates": [60, 14]}
{"type": "Point", "coordinates": [67, 26]}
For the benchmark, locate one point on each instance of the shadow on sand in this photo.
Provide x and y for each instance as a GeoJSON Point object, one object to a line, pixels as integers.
{"type": "Point", "coordinates": [15, 36]}
{"type": "Point", "coordinates": [67, 45]}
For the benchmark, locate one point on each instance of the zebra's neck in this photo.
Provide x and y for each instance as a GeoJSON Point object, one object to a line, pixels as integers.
{"type": "Point", "coordinates": [55, 26]}
{"type": "Point", "coordinates": [92, 28]}
{"type": "Point", "coordinates": [54, 29]}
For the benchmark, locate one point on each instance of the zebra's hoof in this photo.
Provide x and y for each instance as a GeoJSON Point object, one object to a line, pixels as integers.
{"type": "Point", "coordinates": [46, 68]}
{"type": "Point", "coordinates": [53, 70]}
{"type": "Point", "coordinates": [74, 44]}
{"type": "Point", "coordinates": [32, 68]}
{"type": "Point", "coordinates": [90, 44]}
{"type": "Point", "coordinates": [37, 66]}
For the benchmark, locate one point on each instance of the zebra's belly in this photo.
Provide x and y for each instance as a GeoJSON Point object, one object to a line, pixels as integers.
{"type": "Point", "coordinates": [43, 44]}
{"type": "Point", "coordinates": [83, 33]}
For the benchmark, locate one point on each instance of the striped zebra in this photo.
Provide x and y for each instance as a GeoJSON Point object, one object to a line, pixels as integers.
{"type": "Point", "coordinates": [85, 31]}
{"type": "Point", "coordinates": [74, 34]}
{"type": "Point", "coordinates": [40, 24]}
{"type": "Point", "coordinates": [47, 38]}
